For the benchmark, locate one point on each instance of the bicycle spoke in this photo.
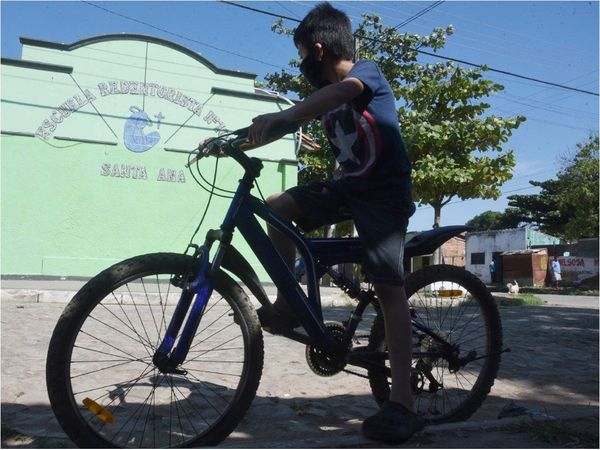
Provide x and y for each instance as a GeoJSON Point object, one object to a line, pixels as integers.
{"type": "Point", "coordinates": [118, 331]}
{"type": "Point", "coordinates": [138, 313]}
{"type": "Point", "coordinates": [115, 395]}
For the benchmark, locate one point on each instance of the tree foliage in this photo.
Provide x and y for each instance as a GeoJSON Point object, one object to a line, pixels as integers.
{"type": "Point", "coordinates": [495, 220]}
{"type": "Point", "coordinates": [455, 148]}
{"type": "Point", "coordinates": [566, 206]}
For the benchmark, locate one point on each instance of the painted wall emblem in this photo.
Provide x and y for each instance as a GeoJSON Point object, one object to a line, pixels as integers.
{"type": "Point", "coordinates": [134, 134]}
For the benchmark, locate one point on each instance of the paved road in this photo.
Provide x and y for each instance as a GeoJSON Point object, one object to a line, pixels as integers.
{"type": "Point", "coordinates": [552, 369]}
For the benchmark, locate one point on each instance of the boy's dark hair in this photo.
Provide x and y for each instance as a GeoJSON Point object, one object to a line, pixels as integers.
{"type": "Point", "coordinates": [328, 26]}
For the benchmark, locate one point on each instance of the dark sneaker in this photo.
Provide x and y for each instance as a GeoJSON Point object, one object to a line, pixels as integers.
{"type": "Point", "coordinates": [392, 423]}
{"type": "Point", "coordinates": [276, 321]}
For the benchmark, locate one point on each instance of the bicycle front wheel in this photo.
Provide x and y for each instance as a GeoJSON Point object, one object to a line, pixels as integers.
{"type": "Point", "coordinates": [456, 306]}
{"type": "Point", "coordinates": [102, 383]}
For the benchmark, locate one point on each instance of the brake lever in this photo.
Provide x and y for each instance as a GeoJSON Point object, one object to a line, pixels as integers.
{"type": "Point", "coordinates": [212, 147]}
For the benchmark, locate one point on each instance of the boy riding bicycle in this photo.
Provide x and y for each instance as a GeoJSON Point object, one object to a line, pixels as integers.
{"type": "Point", "coordinates": [357, 108]}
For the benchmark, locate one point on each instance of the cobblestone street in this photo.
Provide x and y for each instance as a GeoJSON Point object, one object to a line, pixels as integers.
{"type": "Point", "coordinates": [552, 369]}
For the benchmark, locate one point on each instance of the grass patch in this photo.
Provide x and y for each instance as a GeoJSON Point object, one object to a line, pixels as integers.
{"type": "Point", "coordinates": [562, 290]}
{"type": "Point", "coordinates": [520, 300]}
{"type": "Point", "coordinates": [561, 433]}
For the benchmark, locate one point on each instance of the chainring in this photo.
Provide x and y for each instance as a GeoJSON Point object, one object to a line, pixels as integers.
{"type": "Point", "coordinates": [327, 363]}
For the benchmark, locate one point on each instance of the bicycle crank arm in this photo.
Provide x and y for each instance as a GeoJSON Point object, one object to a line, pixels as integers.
{"type": "Point", "coordinates": [369, 361]}
{"type": "Point", "coordinates": [290, 334]}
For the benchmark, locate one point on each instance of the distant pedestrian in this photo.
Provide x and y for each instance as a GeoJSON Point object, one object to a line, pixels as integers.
{"type": "Point", "coordinates": [493, 271]}
{"type": "Point", "coordinates": [555, 273]}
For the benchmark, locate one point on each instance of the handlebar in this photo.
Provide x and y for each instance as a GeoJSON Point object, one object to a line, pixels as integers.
{"type": "Point", "coordinates": [233, 147]}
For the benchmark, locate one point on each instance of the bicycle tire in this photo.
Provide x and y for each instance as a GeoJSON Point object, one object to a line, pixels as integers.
{"type": "Point", "coordinates": [102, 346]}
{"type": "Point", "coordinates": [483, 313]}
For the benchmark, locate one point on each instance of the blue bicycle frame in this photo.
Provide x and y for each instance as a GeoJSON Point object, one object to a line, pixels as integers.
{"type": "Point", "coordinates": [242, 214]}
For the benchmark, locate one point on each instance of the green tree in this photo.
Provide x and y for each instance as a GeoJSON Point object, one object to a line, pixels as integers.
{"type": "Point", "coordinates": [579, 198]}
{"type": "Point", "coordinates": [566, 206]}
{"type": "Point", "coordinates": [495, 220]}
{"type": "Point", "coordinates": [541, 210]}
{"type": "Point", "coordinates": [456, 150]}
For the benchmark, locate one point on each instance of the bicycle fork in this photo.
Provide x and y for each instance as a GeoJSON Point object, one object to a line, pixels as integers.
{"type": "Point", "coordinates": [168, 356]}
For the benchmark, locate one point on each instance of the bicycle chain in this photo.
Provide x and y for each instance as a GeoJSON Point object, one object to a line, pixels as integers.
{"type": "Point", "coordinates": [351, 372]}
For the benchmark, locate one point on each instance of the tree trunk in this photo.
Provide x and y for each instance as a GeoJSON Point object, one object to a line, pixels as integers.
{"type": "Point", "coordinates": [437, 214]}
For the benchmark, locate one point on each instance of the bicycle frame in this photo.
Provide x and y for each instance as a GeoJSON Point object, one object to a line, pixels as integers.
{"type": "Point", "coordinates": [318, 254]}
{"type": "Point", "coordinates": [244, 209]}
{"type": "Point", "coordinates": [242, 214]}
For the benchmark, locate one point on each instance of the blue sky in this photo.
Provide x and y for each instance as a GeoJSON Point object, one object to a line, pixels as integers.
{"type": "Point", "coordinates": [552, 41]}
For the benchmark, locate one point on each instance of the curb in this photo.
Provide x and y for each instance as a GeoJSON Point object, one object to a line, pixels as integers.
{"type": "Point", "coordinates": [64, 296]}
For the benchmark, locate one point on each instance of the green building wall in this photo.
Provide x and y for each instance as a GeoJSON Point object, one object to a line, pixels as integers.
{"type": "Point", "coordinates": [86, 181]}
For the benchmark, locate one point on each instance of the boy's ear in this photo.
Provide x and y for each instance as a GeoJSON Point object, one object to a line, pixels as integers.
{"type": "Point", "coordinates": [319, 51]}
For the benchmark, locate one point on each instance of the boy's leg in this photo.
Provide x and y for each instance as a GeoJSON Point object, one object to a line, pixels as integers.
{"type": "Point", "coordinates": [310, 206]}
{"type": "Point", "coordinates": [398, 332]}
{"type": "Point", "coordinates": [396, 421]}
{"type": "Point", "coordinates": [285, 206]}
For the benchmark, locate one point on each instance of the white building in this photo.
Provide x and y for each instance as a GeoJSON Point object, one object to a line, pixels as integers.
{"type": "Point", "coordinates": [483, 247]}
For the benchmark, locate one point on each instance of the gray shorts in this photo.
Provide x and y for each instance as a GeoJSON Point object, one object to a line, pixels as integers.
{"type": "Point", "coordinates": [380, 213]}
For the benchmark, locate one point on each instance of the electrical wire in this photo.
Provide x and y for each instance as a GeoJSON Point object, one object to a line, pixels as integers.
{"type": "Point", "coordinates": [434, 55]}
{"type": "Point", "coordinates": [212, 185]}
{"type": "Point", "coordinates": [374, 40]}
{"type": "Point", "coordinates": [124, 16]}
{"type": "Point", "coordinates": [207, 203]}
{"type": "Point", "coordinates": [211, 191]}
{"type": "Point", "coordinates": [419, 14]}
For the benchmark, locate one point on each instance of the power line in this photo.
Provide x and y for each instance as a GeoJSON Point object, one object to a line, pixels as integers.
{"type": "Point", "coordinates": [435, 55]}
{"type": "Point", "coordinates": [123, 16]}
{"type": "Point", "coordinates": [285, 7]}
{"type": "Point", "coordinates": [249, 8]}
{"type": "Point", "coordinates": [503, 44]}
{"type": "Point", "coordinates": [419, 14]}
{"type": "Point", "coordinates": [505, 72]}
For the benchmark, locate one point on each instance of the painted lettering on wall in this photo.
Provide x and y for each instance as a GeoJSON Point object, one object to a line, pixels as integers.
{"type": "Point", "coordinates": [105, 89]}
{"type": "Point", "coordinates": [58, 115]}
{"type": "Point", "coordinates": [576, 269]}
{"type": "Point", "coordinates": [116, 170]}
{"type": "Point", "coordinates": [151, 90]}
{"type": "Point", "coordinates": [170, 175]}
{"type": "Point", "coordinates": [124, 171]}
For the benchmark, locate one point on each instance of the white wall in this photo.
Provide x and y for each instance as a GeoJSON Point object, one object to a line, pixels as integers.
{"type": "Point", "coordinates": [489, 242]}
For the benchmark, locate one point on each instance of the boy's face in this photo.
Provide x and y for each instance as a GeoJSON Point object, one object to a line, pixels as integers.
{"type": "Point", "coordinates": [302, 51]}
{"type": "Point", "coordinates": [312, 64]}
{"type": "Point", "coordinates": [317, 50]}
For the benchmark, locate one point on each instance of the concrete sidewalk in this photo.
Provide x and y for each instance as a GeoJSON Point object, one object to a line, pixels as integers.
{"type": "Point", "coordinates": [552, 371]}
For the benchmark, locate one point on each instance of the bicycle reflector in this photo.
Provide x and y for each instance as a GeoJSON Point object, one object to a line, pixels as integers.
{"type": "Point", "coordinates": [450, 293]}
{"type": "Point", "coordinates": [98, 411]}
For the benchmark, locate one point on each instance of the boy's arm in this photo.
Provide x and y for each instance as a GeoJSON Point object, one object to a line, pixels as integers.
{"type": "Point", "coordinates": [323, 100]}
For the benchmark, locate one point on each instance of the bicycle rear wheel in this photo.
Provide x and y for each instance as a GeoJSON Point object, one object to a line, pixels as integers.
{"type": "Point", "coordinates": [457, 306]}
{"type": "Point", "coordinates": [102, 383]}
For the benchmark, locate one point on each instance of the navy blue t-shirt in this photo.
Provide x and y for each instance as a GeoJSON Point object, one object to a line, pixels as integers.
{"type": "Point", "coordinates": [364, 134]}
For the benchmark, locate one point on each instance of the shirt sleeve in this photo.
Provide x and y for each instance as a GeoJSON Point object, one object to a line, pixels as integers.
{"type": "Point", "coordinates": [369, 74]}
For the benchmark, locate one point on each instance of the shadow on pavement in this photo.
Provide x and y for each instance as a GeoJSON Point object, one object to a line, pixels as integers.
{"type": "Point", "coordinates": [553, 367]}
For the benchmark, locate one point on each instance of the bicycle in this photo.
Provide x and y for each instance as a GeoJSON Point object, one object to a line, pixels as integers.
{"type": "Point", "coordinates": [166, 349]}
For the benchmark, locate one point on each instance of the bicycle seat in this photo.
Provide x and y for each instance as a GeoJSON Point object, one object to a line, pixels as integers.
{"type": "Point", "coordinates": [426, 242]}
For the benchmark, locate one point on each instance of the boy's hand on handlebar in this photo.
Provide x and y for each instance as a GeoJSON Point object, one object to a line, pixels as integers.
{"type": "Point", "coordinates": [258, 133]}
{"type": "Point", "coordinates": [211, 146]}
